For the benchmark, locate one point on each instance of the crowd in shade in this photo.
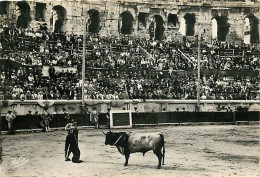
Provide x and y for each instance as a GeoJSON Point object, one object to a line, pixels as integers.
{"type": "Point", "coordinates": [126, 68]}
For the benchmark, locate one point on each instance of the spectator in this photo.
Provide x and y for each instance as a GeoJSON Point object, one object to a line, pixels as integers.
{"type": "Point", "coordinates": [10, 118]}
{"type": "Point", "coordinates": [51, 72]}
{"type": "Point", "coordinates": [108, 118]}
{"type": "Point", "coordinates": [46, 120]}
{"type": "Point", "coordinates": [94, 117]}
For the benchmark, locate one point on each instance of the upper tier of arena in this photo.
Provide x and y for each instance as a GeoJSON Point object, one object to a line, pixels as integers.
{"type": "Point", "coordinates": [232, 20]}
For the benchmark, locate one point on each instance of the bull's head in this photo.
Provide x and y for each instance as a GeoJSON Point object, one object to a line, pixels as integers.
{"type": "Point", "coordinates": [109, 138]}
{"type": "Point", "coordinates": [112, 137]}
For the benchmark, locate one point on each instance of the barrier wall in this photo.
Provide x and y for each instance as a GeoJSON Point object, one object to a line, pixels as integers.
{"type": "Point", "coordinates": [75, 106]}
{"type": "Point", "coordinates": [149, 118]}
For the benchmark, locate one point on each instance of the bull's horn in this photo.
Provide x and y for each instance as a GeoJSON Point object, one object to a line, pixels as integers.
{"type": "Point", "coordinates": [103, 132]}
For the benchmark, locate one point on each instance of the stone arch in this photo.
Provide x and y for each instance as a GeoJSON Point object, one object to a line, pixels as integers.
{"type": "Point", "coordinates": [24, 17]}
{"type": "Point", "coordinates": [156, 27]}
{"type": "Point", "coordinates": [58, 17]}
{"type": "Point", "coordinates": [94, 21]}
{"type": "Point", "coordinates": [222, 27]}
{"type": "Point", "coordinates": [190, 21]}
{"type": "Point", "coordinates": [251, 30]}
{"type": "Point", "coordinates": [127, 20]}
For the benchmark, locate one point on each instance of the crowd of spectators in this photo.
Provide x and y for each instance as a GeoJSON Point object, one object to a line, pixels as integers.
{"type": "Point", "coordinates": [126, 68]}
{"type": "Point", "coordinates": [135, 86]}
{"type": "Point", "coordinates": [30, 84]}
{"type": "Point", "coordinates": [62, 49]}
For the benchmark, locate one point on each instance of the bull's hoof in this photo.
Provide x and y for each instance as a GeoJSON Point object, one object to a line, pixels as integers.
{"type": "Point", "coordinates": [125, 164]}
{"type": "Point", "coordinates": [158, 167]}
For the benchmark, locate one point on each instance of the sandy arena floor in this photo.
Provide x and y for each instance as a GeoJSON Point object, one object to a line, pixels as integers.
{"type": "Point", "coordinates": [213, 150]}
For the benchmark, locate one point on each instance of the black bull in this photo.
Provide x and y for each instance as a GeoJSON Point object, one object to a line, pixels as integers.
{"type": "Point", "coordinates": [128, 143]}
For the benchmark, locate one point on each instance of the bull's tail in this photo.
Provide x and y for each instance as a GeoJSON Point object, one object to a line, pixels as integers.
{"type": "Point", "coordinates": [163, 147]}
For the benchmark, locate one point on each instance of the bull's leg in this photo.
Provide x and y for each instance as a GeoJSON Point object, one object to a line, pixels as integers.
{"type": "Point", "coordinates": [159, 156]}
{"type": "Point", "coordinates": [127, 155]}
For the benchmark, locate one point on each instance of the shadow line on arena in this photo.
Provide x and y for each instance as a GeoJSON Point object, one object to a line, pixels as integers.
{"type": "Point", "coordinates": [152, 166]}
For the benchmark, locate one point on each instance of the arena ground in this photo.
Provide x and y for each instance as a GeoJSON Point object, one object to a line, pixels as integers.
{"type": "Point", "coordinates": [212, 150]}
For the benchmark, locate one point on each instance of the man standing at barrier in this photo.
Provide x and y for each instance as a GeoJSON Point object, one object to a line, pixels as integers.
{"type": "Point", "coordinates": [46, 120]}
{"type": "Point", "coordinates": [108, 118]}
{"type": "Point", "coordinates": [10, 117]}
{"type": "Point", "coordinates": [94, 117]}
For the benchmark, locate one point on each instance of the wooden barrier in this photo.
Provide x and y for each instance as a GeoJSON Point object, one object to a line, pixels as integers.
{"type": "Point", "coordinates": [149, 118]}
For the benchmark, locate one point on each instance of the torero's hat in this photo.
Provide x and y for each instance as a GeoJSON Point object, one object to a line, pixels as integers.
{"type": "Point", "coordinates": [69, 126]}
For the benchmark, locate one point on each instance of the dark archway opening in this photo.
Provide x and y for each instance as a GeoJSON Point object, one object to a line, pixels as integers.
{"type": "Point", "coordinates": [127, 22]}
{"type": "Point", "coordinates": [190, 22]}
{"type": "Point", "coordinates": [142, 20]}
{"type": "Point", "coordinates": [3, 7]}
{"type": "Point", "coordinates": [61, 15]}
{"type": "Point", "coordinates": [24, 17]}
{"type": "Point", "coordinates": [172, 19]}
{"type": "Point", "coordinates": [94, 21]}
{"type": "Point", "coordinates": [157, 28]}
{"type": "Point", "coordinates": [223, 27]}
{"type": "Point", "coordinates": [40, 10]}
{"type": "Point", "coordinates": [254, 30]}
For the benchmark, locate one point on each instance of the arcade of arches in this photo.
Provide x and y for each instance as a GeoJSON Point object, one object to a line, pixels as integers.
{"type": "Point", "coordinates": [136, 19]}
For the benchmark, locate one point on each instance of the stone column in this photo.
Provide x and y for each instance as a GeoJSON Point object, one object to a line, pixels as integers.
{"type": "Point", "coordinates": [136, 24]}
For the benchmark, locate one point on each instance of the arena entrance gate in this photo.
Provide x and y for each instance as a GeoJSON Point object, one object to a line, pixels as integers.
{"type": "Point", "coordinates": [24, 17]}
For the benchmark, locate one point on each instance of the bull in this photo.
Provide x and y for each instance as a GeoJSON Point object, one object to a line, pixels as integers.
{"type": "Point", "coordinates": [128, 143]}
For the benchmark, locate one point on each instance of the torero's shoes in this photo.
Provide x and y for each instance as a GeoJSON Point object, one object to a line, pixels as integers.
{"type": "Point", "coordinates": [67, 159]}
